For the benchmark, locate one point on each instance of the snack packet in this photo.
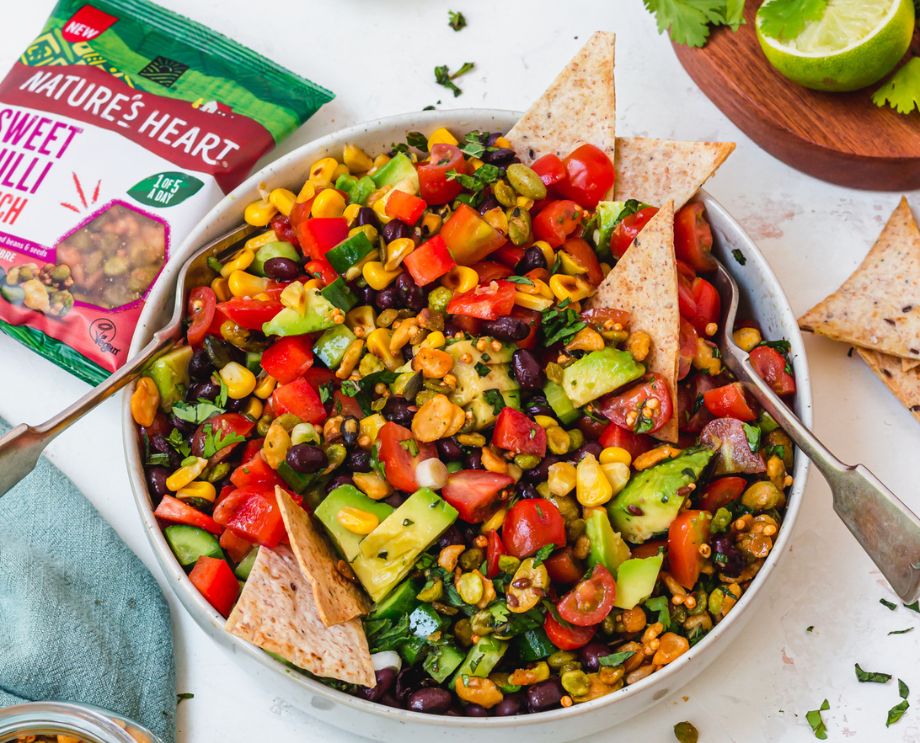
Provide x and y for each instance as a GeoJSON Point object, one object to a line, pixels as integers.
{"type": "Point", "coordinates": [121, 125]}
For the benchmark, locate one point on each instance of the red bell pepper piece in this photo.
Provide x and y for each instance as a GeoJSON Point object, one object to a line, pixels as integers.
{"type": "Point", "coordinates": [321, 269]}
{"type": "Point", "coordinates": [288, 358]}
{"type": "Point", "coordinates": [256, 517]}
{"type": "Point", "coordinates": [176, 512]}
{"type": "Point", "coordinates": [486, 302]}
{"type": "Point", "coordinates": [469, 237]}
{"type": "Point", "coordinates": [299, 397]}
{"type": "Point", "coordinates": [634, 443]}
{"type": "Point", "coordinates": [429, 261]}
{"type": "Point", "coordinates": [234, 545]}
{"type": "Point", "coordinates": [255, 472]}
{"type": "Point", "coordinates": [405, 207]}
{"type": "Point", "coordinates": [517, 432]}
{"type": "Point", "coordinates": [494, 550]}
{"type": "Point", "coordinates": [319, 235]}
{"type": "Point", "coordinates": [216, 582]}
{"type": "Point", "coordinates": [251, 314]}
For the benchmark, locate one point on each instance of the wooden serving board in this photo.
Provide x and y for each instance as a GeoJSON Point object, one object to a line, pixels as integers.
{"type": "Point", "coordinates": [843, 138]}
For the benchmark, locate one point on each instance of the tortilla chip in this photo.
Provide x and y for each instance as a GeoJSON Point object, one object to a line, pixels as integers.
{"type": "Point", "coordinates": [337, 599]}
{"type": "Point", "coordinates": [905, 385]}
{"type": "Point", "coordinates": [579, 107]}
{"type": "Point", "coordinates": [644, 282]}
{"type": "Point", "coordinates": [909, 364]}
{"type": "Point", "coordinates": [656, 171]}
{"type": "Point", "coordinates": [276, 612]}
{"type": "Point", "coordinates": [878, 306]}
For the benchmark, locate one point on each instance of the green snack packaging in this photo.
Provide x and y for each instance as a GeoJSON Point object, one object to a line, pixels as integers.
{"type": "Point", "coordinates": [121, 125]}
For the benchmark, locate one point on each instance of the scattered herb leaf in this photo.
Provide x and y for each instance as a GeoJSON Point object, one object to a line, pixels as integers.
{"type": "Point", "coordinates": [560, 323]}
{"type": "Point", "coordinates": [753, 434]}
{"type": "Point", "coordinates": [913, 607]}
{"type": "Point", "coordinates": [816, 721]}
{"type": "Point", "coordinates": [443, 76]}
{"type": "Point", "coordinates": [214, 441]}
{"type": "Point", "coordinates": [519, 280]}
{"type": "Point", "coordinates": [456, 20]}
{"type": "Point", "coordinates": [739, 256]}
{"type": "Point", "coordinates": [545, 551]}
{"type": "Point", "coordinates": [662, 606]}
{"type": "Point", "coordinates": [195, 412]}
{"type": "Point", "coordinates": [896, 712]}
{"type": "Point", "coordinates": [688, 21]}
{"type": "Point", "coordinates": [888, 604]}
{"type": "Point", "coordinates": [902, 91]}
{"type": "Point", "coordinates": [616, 659]}
{"type": "Point", "coordinates": [901, 631]}
{"type": "Point", "coordinates": [183, 695]}
{"type": "Point", "coordinates": [417, 140]}
{"type": "Point", "coordinates": [871, 677]}
{"type": "Point", "coordinates": [786, 19]}
{"type": "Point", "coordinates": [480, 178]}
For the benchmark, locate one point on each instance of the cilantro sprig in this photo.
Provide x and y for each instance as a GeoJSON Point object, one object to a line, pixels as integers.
{"type": "Point", "coordinates": [817, 722]}
{"type": "Point", "coordinates": [786, 19]}
{"type": "Point", "coordinates": [444, 77]}
{"type": "Point", "coordinates": [456, 20]}
{"type": "Point", "coordinates": [902, 91]}
{"type": "Point", "coordinates": [689, 21]}
{"type": "Point", "coordinates": [560, 323]}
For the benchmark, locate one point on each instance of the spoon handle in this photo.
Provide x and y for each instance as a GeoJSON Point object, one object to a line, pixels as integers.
{"type": "Point", "coordinates": [22, 446]}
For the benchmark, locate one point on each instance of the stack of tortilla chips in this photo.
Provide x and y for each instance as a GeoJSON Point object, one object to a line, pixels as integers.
{"type": "Point", "coordinates": [877, 309]}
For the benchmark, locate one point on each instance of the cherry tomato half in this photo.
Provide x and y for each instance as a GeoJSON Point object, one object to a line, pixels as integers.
{"type": "Point", "coordinates": [693, 237]}
{"type": "Point", "coordinates": [591, 600]}
{"type": "Point", "coordinates": [627, 229]}
{"type": "Point", "coordinates": [589, 176]}
{"type": "Point", "coordinates": [531, 524]}
{"type": "Point", "coordinates": [630, 409]}
{"type": "Point", "coordinates": [434, 186]}
{"type": "Point", "coordinates": [584, 254]}
{"type": "Point", "coordinates": [567, 637]}
{"type": "Point", "coordinates": [202, 304]}
{"type": "Point", "coordinates": [685, 535]}
{"type": "Point", "coordinates": [634, 443]}
{"type": "Point", "coordinates": [556, 221]}
{"type": "Point", "coordinates": [474, 492]}
{"type": "Point", "coordinates": [771, 367]}
{"type": "Point", "coordinates": [721, 492]}
{"type": "Point", "coordinates": [550, 169]}
{"type": "Point", "coordinates": [400, 453]}
{"type": "Point", "coordinates": [729, 401]}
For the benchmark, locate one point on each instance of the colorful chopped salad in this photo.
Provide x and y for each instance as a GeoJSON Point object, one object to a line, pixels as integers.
{"type": "Point", "coordinates": [473, 404]}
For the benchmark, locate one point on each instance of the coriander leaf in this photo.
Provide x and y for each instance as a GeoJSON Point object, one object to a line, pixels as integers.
{"type": "Point", "coordinates": [387, 634]}
{"type": "Point", "coordinates": [868, 676]}
{"type": "Point", "coordinates": [903, 690]}
{"type": "Point", "coordinates": [482, 370]}
{"type": "Point", "coordinates": [519, 280]}
{"type": "Point", "coordinates": [325, 392]}
{"type": "Point", "coordinates": [214, 441]}
{"type": "Point", "coordinates": [545, 551]}
{"type": "Point", "coordinates": [195, 412]}
{"type": "Point", "coordinates": [913, 607]}
{"type": "Point", "coordinates": [495, 399]}
{"type": "Point", "coordinates": [662, 606]}
{"type": "Point", "coordinates": [480, 178]}
{"type": "Point", "coordinates": [411, 447]}
{"type": "Point", "coordinates": [753, 434]}
{"type": "Point", "coordinates": [810, 628]}
{"type": "Point", "coordinates": [786, 19]}
{"type": "Point", "coordinates": [443, 76]}
{"type": "Point", "coordinates": [896, 713]}
{"type": "Point", "coordinates": [902, 91]}
{"type": "Point", "coordinates": [183, 695]}
{"type": "Point", "coordinates": [616, 659]}
{"type": "Point", "coordinates": [734, 14]}
{"type": "Point", "coordinates": [888, 604]}
{"type": "Point", "coordinates": [177, 441]}
{"type": "Point", "coordinates": [781, 346]}
{"type": "Point", "coordinates": [456, 20]}
{"type": "Point", "coordinates": [417, 140]}
{"type": "Point", "coordinates": [817, 723]}
{"type": "Point", "coordinates": [901, 631]}
{"type": "Point", "coordinates": [473, 144]}
{"type": "Point", "coordinates": [687, 21]}
{"type": "Point", "coordinates": [739, 256]}
{"type": "Point", "coordinates": [559, 324]}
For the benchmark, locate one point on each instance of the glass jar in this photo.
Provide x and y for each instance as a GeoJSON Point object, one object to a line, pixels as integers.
{"type": "Point", "coordinates": [83, 721]}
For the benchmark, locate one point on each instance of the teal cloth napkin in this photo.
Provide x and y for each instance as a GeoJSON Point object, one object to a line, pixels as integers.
{"type": "Point", "coordinates": [81, 618]}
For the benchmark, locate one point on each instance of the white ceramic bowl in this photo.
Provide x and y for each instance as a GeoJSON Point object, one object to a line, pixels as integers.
{"type": "Point", "coordinates": [766, 303]}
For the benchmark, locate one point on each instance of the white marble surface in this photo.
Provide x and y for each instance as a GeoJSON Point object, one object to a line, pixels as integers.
{"type": "Point", "coordinates": [378, 56]}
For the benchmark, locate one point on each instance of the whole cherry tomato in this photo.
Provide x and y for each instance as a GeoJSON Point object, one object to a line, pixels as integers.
{"type": "Point", "coordinates": [532, 524]}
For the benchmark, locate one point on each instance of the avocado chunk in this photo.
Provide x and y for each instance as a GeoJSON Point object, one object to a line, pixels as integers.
{"type": "Point", "coordinates": [317, 315]}
{"type": "Point", "coordinates": [651, 499]}
{"type": "Point", "coordinates": [347, 496]}
{"type": "Point", "coordinates": [470, 384]}
{"type": "Point", "coordinates": [489, 356]}
{"type": "Point", "coordinates": [330, 346]}
{"type": "Point", "coordinates": [607, 214]}
{"type": "Point", "coordinates": [277, 249]}
{"type": "Point", "coordinates": [387, 554]}
{"type": "Point", "coordinates": [170, 374]}
{"type": "Point", "coordinates": [442, 661]}
{"type": "Point", "coordinates": [484, 413]}
{"type": "Point", "coordinates": [482, 657]}
{"type": "Point", "coordinates": [425, 621]}
{"type": "Point", "coordinates": [399, 169]}
{"type": "Point", "coordinates": [401, 601]}
{"type": "Point", "coordinates": [598, 373]}
{"type": "Point", "coordinates": [636, 580]}
{"type": "Point", "coordinates": [607, 547]}
{"type": "Point", "coordinates": [560, 403]}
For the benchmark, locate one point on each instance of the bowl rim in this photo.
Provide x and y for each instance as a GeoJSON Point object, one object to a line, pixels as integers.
{"type": "Point", "coordinates": [213, 623]}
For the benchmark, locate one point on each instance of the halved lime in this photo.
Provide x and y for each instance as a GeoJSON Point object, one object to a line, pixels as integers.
{"type": "Point", "coordinates": [854, 44]}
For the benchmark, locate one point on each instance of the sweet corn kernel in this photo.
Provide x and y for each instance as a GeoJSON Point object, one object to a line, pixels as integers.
{"type": "Point", "coordinates": [145, 401]}
{"type": "Point", "coordinates": [307, 192]}
{"type": "Point", "coordinates": [283, 200]}
{"type": "Point", "coordinates": [351, 213]}
{"type": "Point", "coordinates": [294, 296]}
{"type": "Point", "coordinates": [239, 262]}
{"type": "Point", "coordinates": [239, 380]}
{"type": "Point", "coordinates": [435, 339]}
{"type": "Point", "coordinates": [558, 440]}
{"type": "Point", "coordinates": [460, 279]}
{"type": "Point", "coordinates": [495, 521]}
{"type": "Point", "coordinates": [380, 209]}
{"type": "Point", "coordinates": [431, 223]}
{"type": "Point", "coordinates": [322, 172]}
{"type": "Point", "coordinates": [617, 475]}
{"type": "Point", "coordinates": [592, 486]}
{"type": "Point", "coordinates": [276, 444]}
{"type": "Point", "coordinates": [612, 454]}
{"type": "Point", "coordinates": [340, 170]}
{"type": "Point", "coordinates": [372, 485]}
{"type": "Point", "coordinates": [254, 243]}
{"type": "Point", "coordinates": [523, 202]}
{"type": "Point", "coordinates": [396, 251]}
{"type": "Point", "coordinates": [243, 284]}
{"type": "Point", "coordinates": [378, 343]}
{"type": "Point", "coordinates": [572, 288]}
{"type": "Point", "coordinates": [441, 136]}
{"type": "Point", "coordinates": [503, 142]}
{"type": "Point", "coordinates": [198, 489]}
{"type": "Point", "coordinates": [747, 338]}
{"type": "Point", "coordinates": [259, 213]}
{"type": "Point", "coordinates": [328, 203]}
{"type": "Point", "coordinates": [265, 387]}
{"type": "Point", "coordinates": [562, 478]}
{"type": "Point", "coordinates": [254, 408]}
{"type": "Point", "coordinates": [186, 474]}
{"type": "Point", "coordinates": [377, 276]}
{"type": "Point", "coordinates": [357, 521]}
{"type": "Point", "coordinates": [221, 289]}
{"type": "Point", "coordinates": [545, 421]}
{"type": "Point", "coordinates": [371, 425]}
{"type": "Point", "coordinates": [357, 160]}
{"type": "Point", "coordinates": [532, 301]}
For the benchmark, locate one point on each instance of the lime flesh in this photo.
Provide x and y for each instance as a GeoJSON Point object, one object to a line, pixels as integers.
{"type": "Point", "coordinates": [854, 44]}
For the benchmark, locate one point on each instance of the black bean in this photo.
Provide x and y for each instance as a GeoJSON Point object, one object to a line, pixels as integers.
{"type": "Point", "coordinates": [501, 156]}
{"type": "Point", "coordinates": [388, 299]}
{"type": "Point", "coordinates": [366, 216]}
{"type": "Point", "coordinates": [415, 299]}
{"type": "Point", "coordinates": [395, 229]}
{"type": "Point", "coordinates": [282, 269]}
{"type": "Point", "coordinates": [156, 481]}
{"type": "Point", "coordinates": [544, 695]}
{"type": "Point", "coordinates": [236, 406]}
{"type": "Point", "coordinates": [488, 203]}
{"type": "Point", "coordinates": [475, 710]}
{"type": "Point", "coordinates": [351, 429]}
{"type": "Point", "coordinates": [305, 458]}
{"type": "Point", "coordinates": [184, 427]}
{"type": "Point", "coordinates": [397, 499]}
{"type": "Point", "coordinates": [338, 481]}
{"type": "Point", "coordinates": [541, 471]}
{"type": "Point", "coordinates": [589, 447]}
{"type": "Point", "coordinates": [537, 405]}
{"type": "Point", "coordinates": [434, 701]}
{"type": "Point", "coordinates": [490, 138]}
{"type": "Point", "coordinates": [451, 536]}
{"type": "Point", "coordinates": [591, 427]}
{"type": "Point", "coordinates": [390, 701]}
{"type": "Point", "coordinates": [526, 491]}
{"type": "Point", "coordinates": [409, 679]}
{"type": "Point", "coordinates": [510, 705]}
{"type": "Point", "coordinates": [591, 654]}
{"type": "Point", "coordinates": [506, 328]}
{"type": "Point", "coordinates": [533, 258]}
{"type": "Point", "coordinates": [206, 390]}
{"type": "Point", "coordinates": [386, 678]}
{"type": "Point", "coordinates": [398, 410]}
{"type": "Point", "coordinates": [473, 460]}
{"type": "Point", "coordinates": [728, 558]}
{"type": "Point", "coordinates": [527, 370]}
{"type": "Point", "coordinates": [449, 450]}
{"type": "Point", "coordinates": [161, 445]}
{"type": "Point", "coordinates": [200, 368]}
{"type": "Point", "coordinates": [359, 460]}
{"type": "Point", "coordinates": [365, 294]}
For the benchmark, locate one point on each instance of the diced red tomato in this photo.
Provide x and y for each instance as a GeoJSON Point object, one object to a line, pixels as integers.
{"type": "Point", "coordinates": [556, 221]}
{"type": "Point", "coordinates": [318, 235]}
{"type": "Point", "coordinates": [531, 524]}
{"type": "Point", "coordinates": [300, 398]}
{"type": "Point", "coordinates": [491, 270]}
{"type": "Point", "coordinates": [729, 401]}
{"type": "Point", "coordinates": [627, 229]}
{"type": "Point", "coordinates": [567, 637]}
{"type": "Point", "coordinates": [469, 237]}
{"type": "Point", "coordinates": [589, 176]}
{"type": "Point", "coordinates": [429, 261]}
{"type": "Point", "coordinates": [255, 473]}
{"type": "Point", "coordinates": [693, 237]}
{"type": "Point", "coordinates": [344, 405]}
{"type": "Point", "coordinates": [474, 492]}
{"type": "Point", "coordinates": [175, 511]}
{"type": "Point", "coordinates": [582, 252]}
{"type": "Point", "coordinates": [509, 255]}
{"type": "Point", "coordinates": [317, 376]}
{"type": "Point", "coordinates": [321, 269]}
{"type": "Point", "coordinates": [202, 303]}
{"type": "Point", "coordinates": [405, 207]}
{"type": "Point", "coordinates": [708, 302]}
{"type": "Point", "coordinates": [620, 408]}
{"type": "Point", "coordinates": [234, 545]}
{"type": "Point", "coordinates": [288, 358]}
{"type": "Point", "coordinates": [634, 443]}
{"type": "Point", "coordinates": [216, 582]}
{"type": "Point", "coordinates": [251, 314]}
{"type": "Point", "coordinates": [650, 548]}
{"type": "Point", "coordinates": [494, 550]}
{"type": "Point", "coordinates": [688, 344]}
{"type": "Point", "coordinates": [771, 367]}
{"type": "Point", "coordinates": [721, 492]}
{"type": "Point", "coordinates": [591, 600]}
{"type": "Point", "coordinates": [550, 169]}
{"type": "Point", "coordinates": [256, 517]}
{"type": "Point", "coordinates": [281, 226]}
{"type": "Point", "coordinates": [687, 532]}
{"type": "Point", "coordinates": [532, 318]}
{"type": "Point", "coordinates": [486, 302]}
{"type": "Point", "coordinates": [517, 432]}
{"type": "Point", "coordinates": [434, 185]}
{"type": "Point", "coordinates": [563, 567]}
{"type": "Point", "coordinates": [397, 445]}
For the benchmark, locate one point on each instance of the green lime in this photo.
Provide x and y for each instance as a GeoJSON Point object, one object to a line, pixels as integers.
{"type": "Point", "coordinates": [854, 44]}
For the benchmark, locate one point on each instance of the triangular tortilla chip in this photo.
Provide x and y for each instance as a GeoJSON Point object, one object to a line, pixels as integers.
{"type": "Point", "coordinates": [644, 282]}
{"type": "Point", "coordinates": [909, 364]}
{"type": "Point", "coordinates": [337, 599]}
{"type": "Point", "coordinates": [905, 385]}
{"type": "Point", "coordinates": [579, 107]}
{"type": "Point", "coordinates": [878, 306]}
{"type": "Point", "coordinates": [276, 612]}
{"type": "Point", "coordinates": [656, 171]}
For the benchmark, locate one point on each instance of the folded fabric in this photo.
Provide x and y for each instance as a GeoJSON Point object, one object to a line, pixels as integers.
{"type": "Point", "coordinates": [81, 618]}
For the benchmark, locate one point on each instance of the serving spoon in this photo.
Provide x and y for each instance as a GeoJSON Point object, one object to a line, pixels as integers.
{"type": "Point", "coordinates": [885, 528]}
{"type": "Point", "coordinates": [23, 445]}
